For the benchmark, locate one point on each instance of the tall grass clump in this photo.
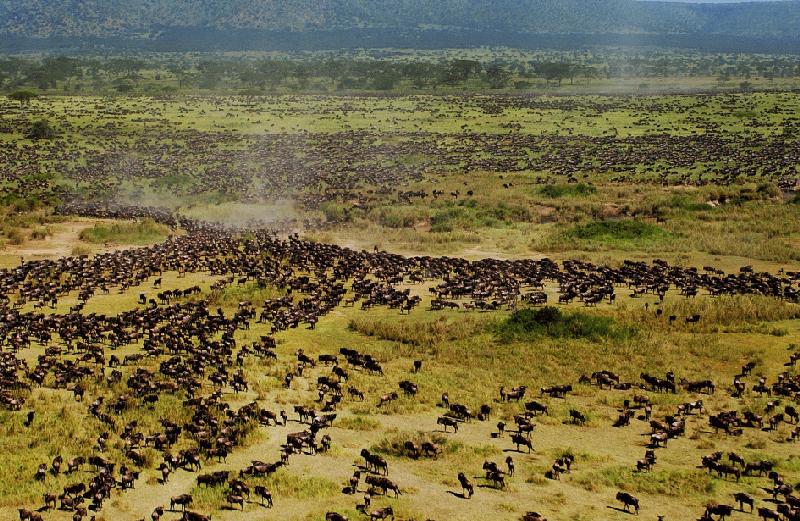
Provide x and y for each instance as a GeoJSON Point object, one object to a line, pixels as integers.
{"type": "Point", "coordinates": [672, 483]}
{"type": "Point", "coordinates": [253, 292]}
{"type": "Point", "coordinates": [551, 322]}
{"type": "Point", "coordinates": [723, 311]}
{"type": "Point", "coordinates": [418, 334]}
{"type": "Point", "coordinates": [469, 214]}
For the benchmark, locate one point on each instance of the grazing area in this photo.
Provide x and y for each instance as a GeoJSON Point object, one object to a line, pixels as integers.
{"type": "Point", "coordinates": [250, 270]}
{"type": "Point", "coordinates": [315, 307]}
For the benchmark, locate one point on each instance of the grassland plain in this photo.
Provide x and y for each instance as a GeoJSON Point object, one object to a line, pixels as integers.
{"type": "Point", "coordinates": [466, 354]}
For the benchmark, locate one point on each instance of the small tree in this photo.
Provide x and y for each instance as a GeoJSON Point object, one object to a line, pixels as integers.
{"type": "Point", "coordinates": [40, 129]}
{"type": "Point", "coordinates": [497, 76]}
{"type": "Point", "coordinates": [23, 96]}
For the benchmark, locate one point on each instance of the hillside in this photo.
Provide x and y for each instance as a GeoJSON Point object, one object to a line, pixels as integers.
{"type": "Point", "coordinates": [151, 19]}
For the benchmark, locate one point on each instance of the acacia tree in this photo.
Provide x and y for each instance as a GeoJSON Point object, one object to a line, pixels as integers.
{"type": "Point", "coordinates": [497, 76]}
{"type": "Point", "coordinates": [23, 96]}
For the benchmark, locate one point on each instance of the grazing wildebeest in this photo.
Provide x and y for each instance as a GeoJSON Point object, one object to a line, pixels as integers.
{"type": "Point", "coordinates": [447, 421]}
{"type": "Point", "coordinates": [467, 489]}
{"type": "Point", "coordinates": [194, 516]}
{"type": "Point", "coordinates": [234, 499]}
{"type": "Point", "coordinates": [183, 501]}
{"type": "Point", "coordinates": [533, 516]}
{"type": "Point", "coordinates": [335, 516]}
{"type": "Point", "coordinates": [375, 462]}
{"type": "Point", "coordinates": [767, 514]}
{"type": "Point", "coordinates": [536, 407]}
{"type": "Point", "coordinates": [722, 511]}
{"type": "Point", "coordinates": [384, 484]}
{"type": "Point", "coordinates": [744, 499]}
{"type": "Point", "coordinates": [49, 499]}
{"type": "Point", "coordinates": [577, 417]}
{"type": "Point", "coordinates": [382, 513]}
{"type": "Point", "coordinates": [628, 501]}
{"type": "Point", "coordinates": [518, 439]}
{"type": "Point", "coordinates": [29, 515]}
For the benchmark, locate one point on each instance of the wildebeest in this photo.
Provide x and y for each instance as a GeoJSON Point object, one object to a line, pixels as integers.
{"type": "Point", "coordinates": [182, 500]}
{"type": "Point", "coordinates": [744, 499]}
{"type": "Point", "coordinates": [628, 501]}
{"type": "Point", "coordinates": [382, 513]}
{"type": "Point", "coordinates": [518, 439]}
{"type": "Point", "coordinates": [447, 421]}
{"type": "Point", "coordinates": [467, 488]}
{"type": "Point", "coordinates": [722, 511]}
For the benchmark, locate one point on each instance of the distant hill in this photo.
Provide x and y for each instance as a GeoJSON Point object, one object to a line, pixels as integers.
{"type": "Point", "coordinates": [149, 20]}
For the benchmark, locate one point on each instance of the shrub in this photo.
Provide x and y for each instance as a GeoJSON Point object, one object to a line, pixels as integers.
{"type": "Point", "coordinates": [469, 214]}
{"type": "Point", "coordinates": [335, 212]}
{"type": "Point", "coordinates": [40, 130]}
{"type": "Point", "coordinates": [40, 234]}
{"type": "Point", "coordinates": [686, 203]}
{"type": "Point", "coordinates": [398, 217]}
{"type": "Point", "coordinates": [15, 236]}
{"type": "Point", "coordinates": [551, 322]}
{"type": "Point", "coordinates": [565, 190]}
{"type": "Point", "coordinates": [625, 230]}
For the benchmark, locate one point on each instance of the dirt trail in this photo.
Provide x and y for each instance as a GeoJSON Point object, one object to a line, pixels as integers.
{"type": "Point", "coordinates": [59, 244]}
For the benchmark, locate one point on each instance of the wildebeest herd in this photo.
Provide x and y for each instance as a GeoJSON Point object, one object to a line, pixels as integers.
{"type": "Point", "coordinates": [357, 166]}
{"type": "Point", "coordinates": [185, 348]}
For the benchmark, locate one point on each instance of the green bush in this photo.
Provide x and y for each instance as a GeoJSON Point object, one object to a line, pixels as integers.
{"type": "Point", "coordinates": [398, 217]}
{"type": "Point", "coordinates": [617, 230]}
{"type": "Point", "coordinates": [551, 322]}
{"type": "Point", "coordinates": [686, 203]}
{"type": "Point", "coordinates": [40, 130]}
{"type": "Point", "coordinates": [468, 214]}
{"type": "Point", "coordinates": [575, 190]}
{"type": "Point", "coordinates": [335, 212]}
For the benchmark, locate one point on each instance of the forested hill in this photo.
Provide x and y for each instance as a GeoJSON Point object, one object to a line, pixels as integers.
{"type": "Point", "coordinates": [151, 19]}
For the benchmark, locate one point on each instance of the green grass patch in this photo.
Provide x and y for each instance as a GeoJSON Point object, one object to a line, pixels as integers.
{"type": "Point", "coordinates": [420, 334]}
{"type": "Point", "coordinates": [285, 484]}
{"type": "Point", "coordinates": [357, 423]}
{"type": "Point", "coordinates": [231, 296]}
{"type": "Point", "coordinates": [146, 231]}
{"type": "Point", "coordinates": [685, 203]}
{"type": "Point", "coordinates": [672, 483]}
{"type": "Point", "coordinates": [567, 190]}
{"type": "Point", "coordinates": [469, 214]}
{"type": "Point", "coordinates": [552, 322]}
{"type": "Point", "coordinates": [398, 216]}
{"type": "Point", "coordinates": [616, 231]}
